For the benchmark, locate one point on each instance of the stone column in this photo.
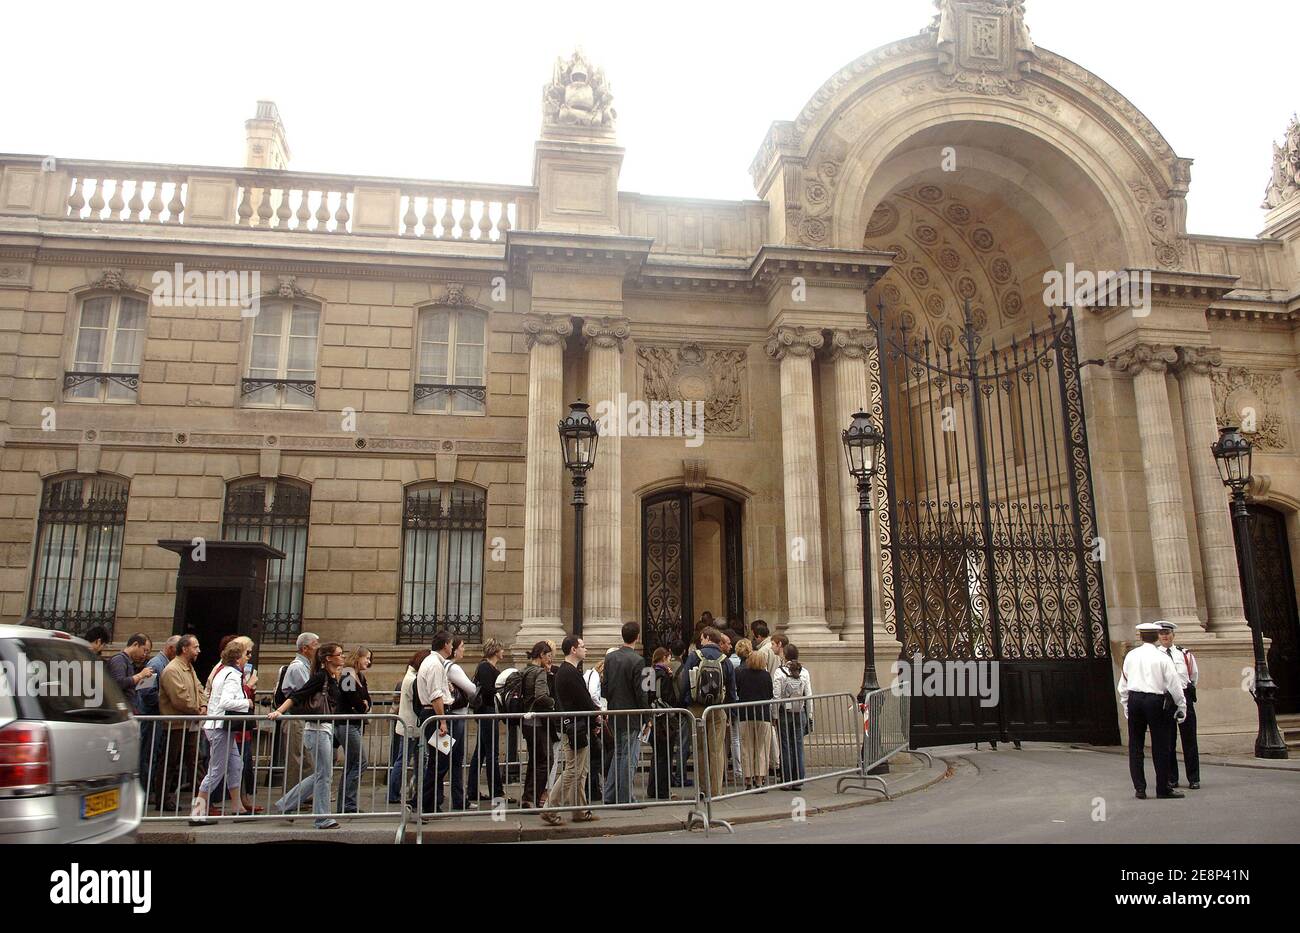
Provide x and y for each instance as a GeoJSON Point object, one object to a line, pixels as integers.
{"type": "Point", "coordinates": [794, 347]}
{"type": "Point", "coordinates": [543, 486]}
{"type": "Point", "coordinates": [849, 352]}
{"type": "Point", "coordinates": [602, 545]}
{"type": "Point", "coordinates": [1148, 365]}
{"type": "Point", "coordinates": [1213, 521]}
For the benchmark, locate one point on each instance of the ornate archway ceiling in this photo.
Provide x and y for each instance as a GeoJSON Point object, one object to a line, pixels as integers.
{"type": "Point", "coordinates": [954, 244]}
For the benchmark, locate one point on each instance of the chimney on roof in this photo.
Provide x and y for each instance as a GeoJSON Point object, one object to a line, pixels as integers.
{"type": "Point", "coordinates": [266, 146]}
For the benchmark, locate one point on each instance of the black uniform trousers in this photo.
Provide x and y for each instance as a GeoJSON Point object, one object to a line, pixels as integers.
{"type": "Point", "coordinates": [1147, 710]}
{"type": "Point", "coordinates": [1191, 755]}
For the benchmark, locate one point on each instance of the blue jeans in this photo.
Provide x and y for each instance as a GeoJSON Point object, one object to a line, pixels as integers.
{"type": "Point", "coordinates": [457, 729]}
{"type": "Point", "coordinates": [621, 768]}
{"type": "Point", "coordinates": [401, 746]}
{"type": "Point", "coordinates": [349, 739]}
{"type": "Point", "coordinates": [316, 786]}
{"type": "Point", "coordinates": [436, 765]}
{"type": "Point", "coordinates": [791, 729]}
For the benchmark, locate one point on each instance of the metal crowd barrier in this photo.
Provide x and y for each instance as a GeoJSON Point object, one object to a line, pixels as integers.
{"type": "Point", "coordinates": [274, 757]}
{"type": "Point", "coordinates": [886, 731]}
{"type": "Point", "coordinates": [632, 759]}
{"type": "Point", "coordinates": [769, 745]}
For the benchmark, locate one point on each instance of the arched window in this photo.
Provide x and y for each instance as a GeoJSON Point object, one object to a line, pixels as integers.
{"type": "Point", "coordinates": [276, 512]}
{"type": "Point", "coordinates": [282, 356]}
{"type": "Point", "coordinates": [106, 356]}
{"type": "Point", "coordinates": [442, 562]}
{"type": "Point", "coordinates": [451, 377]}
{"type": "Point", "coordinates": [78, 553]}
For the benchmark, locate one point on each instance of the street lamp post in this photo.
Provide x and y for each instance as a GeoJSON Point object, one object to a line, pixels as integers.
{"type": "Point", "coordinates": [863, 442]}
{"type": "Point", "coordinates": [578, 439]}
{"type": "Point", "coordinates": [1232, 453]}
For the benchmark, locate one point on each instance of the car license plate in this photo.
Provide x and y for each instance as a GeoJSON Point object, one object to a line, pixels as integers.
{"type": "Point", "coordinates": [93, 805]}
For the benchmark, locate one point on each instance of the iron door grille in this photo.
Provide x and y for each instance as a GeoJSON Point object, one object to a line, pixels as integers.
{"type": "Point", "coordinates": [80, 530]}
{"type": "Point", "coordinates": [444, 527]}
{"type": "Point", "coordinates": [281, 522]}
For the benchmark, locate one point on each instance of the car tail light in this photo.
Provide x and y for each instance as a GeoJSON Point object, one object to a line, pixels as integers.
{"type": "Point", "coordinates": [24, 755]}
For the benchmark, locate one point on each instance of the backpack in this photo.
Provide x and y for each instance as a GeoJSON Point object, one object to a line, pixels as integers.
{"type": "Point", "coordinates": [708, 685]}
{"type": "Point", "coordinates": [510, 695]}
{"type": "Point", "coordinates": [278, 697]}
{"type": "Point", "coordinates": [458, 698]}
{"type": "Point", "coordinates": [791, 685]}
{"type": "Point", "coordinates": [666, 690]}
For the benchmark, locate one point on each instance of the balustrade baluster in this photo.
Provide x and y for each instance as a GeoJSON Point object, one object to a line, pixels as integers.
{"type": "Point", "coordinates": [156, 202]}
{"type": "Point", "coordinates": [448, 221]}
{"type": "Point", "coordinates": [430, 219]}
{"type": "Point", "coordinates": [323, 212]}
{"type": "Point", "coordinates": [304, 211]}
{"type": "Point", "coordinates": [485, 221]}
{"type": "Point", "coordinates": [136, 205]}
{"type": "Point", "coordinates": [342, 216]}
{"type": "Point", "coordinates": [175, 205]}
{"type": "Point", "coordinates": [116, 203]}
{"type": "Point", "coordinates": [245, 209]}
{"type": "Point", "coordinates": [466, 219]}
{"type": "Point", "coordinates": [76, 199]}
{"type": "Point", "coordinates": [264, 212]}
{"type": "Point", "coordinates": [409, 219]}
{"type": "Point", "coordinates": [96, 200]}
{"type": "Point", "coordinates": [503, 223]}
{"type": "Point", "coordinates": [282, 213]}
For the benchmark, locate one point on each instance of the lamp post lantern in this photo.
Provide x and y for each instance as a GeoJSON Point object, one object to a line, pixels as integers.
{"type": "Point", "coordinates": [579, 436]}
{"type": "Point", "coordinates": [863, 443]}
{"type": "Point", "coordinates": [1232, 453]}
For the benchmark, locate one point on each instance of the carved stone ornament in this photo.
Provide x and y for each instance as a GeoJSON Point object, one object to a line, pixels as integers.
{"type": "Point", "coordinates": [112, 279]}
{"type": "Point", "coordinates": [1285, 183]}
{"type": "Point", "coordinates": [1144, 357]}
{"type": "Point", "coordinates": [692, 373]}
{"type": "Point", "coordinates": [454, 295]}
{"type": "Point", "coordinates": [578, 95]}
{"type": "Point", "coordinates": [288, 287]}
{"type": "Point", "coordinates": [810, 212]}
{"type": "Point", "coordinates": [852, 344]}
{"type": "Point", "coordinates": [794, 341]}
{"type": "Point", "coordinates": [1166, 224]}
{"type": "Point", "coordinates": [547, 329]}
{"type": "Point", "coordinates": [982, 37]}
{"type": "Point", "coordinates": [1202, 361]}
{"type": "Point", "coordinates": [606, 332]}
{"type": "Point", "coordinates": [1251, 400]}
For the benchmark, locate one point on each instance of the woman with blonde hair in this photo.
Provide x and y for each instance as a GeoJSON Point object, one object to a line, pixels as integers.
{"type": "Point", "coordinates": [753, 683]}
{"type": "Point", "coordinates": [350, 733]}
{"type": "Point", "coordinates": [224, 761]}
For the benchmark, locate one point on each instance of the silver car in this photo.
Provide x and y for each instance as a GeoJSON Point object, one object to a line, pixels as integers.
{"type": "Point", "coordinates": [69, 747]}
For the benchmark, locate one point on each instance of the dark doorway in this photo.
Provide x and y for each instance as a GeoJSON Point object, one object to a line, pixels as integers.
{"type": "Point", "coordinates": [210, 613]}
{"type": "Point", "coordinates": [691, 561]}
{"type": "Point", "coordinates": [1277, 602]}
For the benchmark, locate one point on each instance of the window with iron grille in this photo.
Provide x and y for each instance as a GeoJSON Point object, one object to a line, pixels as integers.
{"type": "Point", "coordinates": [442, 562]}
{"type": "Point", "coordinates": [106, 355]}
{"type": "Point", "coordinates": [282, 356]}
{"type": "Point", "coordinates": [79, 536]}
{"type": "Point", "coordinates": [451, 355]}
{"type": "Point", "coordinates": [276, 512]}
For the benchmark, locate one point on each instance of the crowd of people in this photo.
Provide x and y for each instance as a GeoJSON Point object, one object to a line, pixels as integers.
{"type": "Point", "coordinates": [581, 726]}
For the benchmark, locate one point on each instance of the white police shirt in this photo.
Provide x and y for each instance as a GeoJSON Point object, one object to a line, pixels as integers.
{"type": "Point", "coordinates": [1185, 663]}
{"type": "Point", "coordinates": [1149, 669]}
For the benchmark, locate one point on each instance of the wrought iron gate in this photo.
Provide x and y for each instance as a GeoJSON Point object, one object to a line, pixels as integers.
{"type": "Point", "coordinates": [992, 530]}
{"type": "Point", "coordinates": [1278, 618]}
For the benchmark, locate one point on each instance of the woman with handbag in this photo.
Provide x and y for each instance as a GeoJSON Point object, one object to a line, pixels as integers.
{"type": "Point", "coordinates": [537, 732]}
{"type": "Point", "coordinates": [223, 758]}
{"type": "Point", "coordinates": [792, 683]}
{"type": "Point", "coordinates": [319, 698]}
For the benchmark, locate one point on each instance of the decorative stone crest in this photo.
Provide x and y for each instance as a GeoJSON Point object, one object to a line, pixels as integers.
{"type": "Point", "coordinates": [983, 43]}
{"type": "Point", "coordinates": [289, 287]}
{"type": "Point", "coordinates": [606, 332]}
{"type": "Point", "coordinates": [546, 329]}
{"type": "Point", "coordinates": [691, 373]}
{"type": "Point", "coordinates": [1250, 398]}
{"type": "Point", "coordinates": [454, 295]}
{"type": "Point", "coordinates": [112, 279]}
{"type": "Point", "coordinates": [578, 95]}
{"type": "Point", "coordinates": [1144, 357]}
{"type": "Point", "coordinates": [1285, 183]}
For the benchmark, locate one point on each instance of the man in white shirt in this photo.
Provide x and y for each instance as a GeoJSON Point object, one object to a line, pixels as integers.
{"type": "Point", "coordinates": [1148, 682]}
{"type": "Point", "coordinates": [293, 675]}
{"type": "Point", "coordinates": [433, 691]}
{"type": "Point", "coordinates": [1188, 675]}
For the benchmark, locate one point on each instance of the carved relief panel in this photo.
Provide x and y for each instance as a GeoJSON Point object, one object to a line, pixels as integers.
{"type": "Point", "coordinates": [691, 372]}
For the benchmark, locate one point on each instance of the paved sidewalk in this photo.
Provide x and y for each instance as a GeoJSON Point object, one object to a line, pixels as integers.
{"type": "Point", "coordinates": [1229, 761]}
{"type": "Point", "coordinates": [909, 774]}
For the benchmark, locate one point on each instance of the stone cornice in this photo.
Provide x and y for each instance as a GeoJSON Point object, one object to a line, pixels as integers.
{"type": "Point", "coordinates": [1144, 357]}
{"type": "Point", "coordinates": [529, 251]}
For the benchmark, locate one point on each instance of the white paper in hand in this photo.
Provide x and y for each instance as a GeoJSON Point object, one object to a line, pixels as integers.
{"type": "Point", "coordinates": [442, 742]}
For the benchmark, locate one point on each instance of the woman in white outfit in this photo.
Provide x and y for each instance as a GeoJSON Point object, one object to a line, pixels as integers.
{"type": "Point", "coordinates": [224, 760]}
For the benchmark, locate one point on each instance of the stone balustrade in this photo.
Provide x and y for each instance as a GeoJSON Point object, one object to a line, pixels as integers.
{"type": "Point", "coordinates": [261, 199]}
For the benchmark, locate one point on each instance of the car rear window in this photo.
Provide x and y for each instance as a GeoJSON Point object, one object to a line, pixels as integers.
{"type": "Point", "coordinates": [63, 681]}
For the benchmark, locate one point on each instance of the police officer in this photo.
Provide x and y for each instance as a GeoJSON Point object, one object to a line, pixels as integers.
{"type": "Point", "coordinates": [1188, 675]}
{"type": "Point", "coordinates": [1148, 682]}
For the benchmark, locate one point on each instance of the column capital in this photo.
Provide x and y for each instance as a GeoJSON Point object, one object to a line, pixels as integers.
{"type": "Point", "coordinates": [1144, 357]}
{"type": "Point", "coordinates": [1198, 360]}
{"type": "Point", "coordinates": [606, 332]}
{"type": "Point", "coordinates": [547, 329]}
{"type": "Point", "coordinates": [852, 344]}
{"type": "Point", "coordinates": [794, 341]}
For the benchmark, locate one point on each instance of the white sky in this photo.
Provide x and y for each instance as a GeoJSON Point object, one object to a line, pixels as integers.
{"type": "Point", "coordinates": [452, 91]}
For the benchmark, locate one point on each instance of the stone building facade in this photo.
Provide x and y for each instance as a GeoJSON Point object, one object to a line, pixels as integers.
{"type": "Point", "coordinates": [367, 373]}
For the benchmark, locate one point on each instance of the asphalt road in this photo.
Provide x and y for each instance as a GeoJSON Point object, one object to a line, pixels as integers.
{"type": "Point", "coordinates": [1045, 794]}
